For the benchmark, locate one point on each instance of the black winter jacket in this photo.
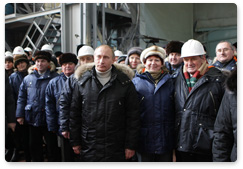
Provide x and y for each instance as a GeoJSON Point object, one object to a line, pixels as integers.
{"type": "Point", "coordinates": [225, 128]}
{"type": "Point", "coordinates": [196, 111]}
{"type": "Point", "coordinates": [104, 120]}
{"type": "Point", "coordinates": [52, 98]}
{"type": "Point", "coordinates": [65, 103]}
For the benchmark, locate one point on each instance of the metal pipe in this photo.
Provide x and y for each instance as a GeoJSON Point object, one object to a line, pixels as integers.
{"type": "Point", "coordinates": [103, 24]}
{"type": "Point", "coordinates": [84, 23]}
{"type": "Point", "coordinates": [94, 25]}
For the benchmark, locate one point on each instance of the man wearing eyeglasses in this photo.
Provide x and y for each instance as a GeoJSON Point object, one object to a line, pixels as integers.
{"type": "Point", "coordinates": [226, 60]}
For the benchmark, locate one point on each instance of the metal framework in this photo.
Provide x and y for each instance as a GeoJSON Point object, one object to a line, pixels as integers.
{"type": "Point", "coordinates": [115, 24]}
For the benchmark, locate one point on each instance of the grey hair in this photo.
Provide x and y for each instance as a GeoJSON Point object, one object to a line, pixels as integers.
{"type": "Point", "coordinates": [224, 41]}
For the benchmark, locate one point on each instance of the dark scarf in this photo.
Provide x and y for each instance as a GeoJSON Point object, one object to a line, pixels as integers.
{"type": "Point", "coordinates": [191, 81]}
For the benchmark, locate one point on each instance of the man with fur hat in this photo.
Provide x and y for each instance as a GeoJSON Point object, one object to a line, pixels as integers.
{"type": "Point", "coordinates": [31, 106]}
{"type": "Point", "coordinates": [68, 61]}
{"type": "Point", "coordinates": [21, 65]}
{"type": "Point", "coordinates": [104, 125]}
{"type": "Point", "coordinates": [173, 51]}
{"type": "Point", "coordinates": [199, 90]}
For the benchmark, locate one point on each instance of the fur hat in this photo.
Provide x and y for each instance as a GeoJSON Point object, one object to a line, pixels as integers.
{"type": "Point", "coordinates": [153, 50]}
{"type": "Point", "coordinates": [174, 46]}
{"type": "Point", "coordinates": [68, 57]}
{"type": "Point", "coordinates": [19, 58]}
{"type": "Point", "coordinates": [43, 55]}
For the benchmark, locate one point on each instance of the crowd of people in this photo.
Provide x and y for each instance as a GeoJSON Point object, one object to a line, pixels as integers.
{"type": "Point", "coordinates": [159, 104]}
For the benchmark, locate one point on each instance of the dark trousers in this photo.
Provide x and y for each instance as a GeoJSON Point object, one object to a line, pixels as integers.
{"type": "Point", "coordinates": [37, 134]}
{"type": "Point", "coordinates": [18, 140]}
{"type": "Point", "coordinates": [67, 151]}
{"type": "Point", "coordinates": [192, 157]}
{"type": "Point", "coordinates": [148, 157]}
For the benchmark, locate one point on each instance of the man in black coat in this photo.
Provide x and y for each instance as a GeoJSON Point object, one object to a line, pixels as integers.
{"type": "Point", "coordinates": [198, 94]}
{"type": "Point", "coordinates": [104, 117]}
{"type": "Point", "coordinates": [225, 128]}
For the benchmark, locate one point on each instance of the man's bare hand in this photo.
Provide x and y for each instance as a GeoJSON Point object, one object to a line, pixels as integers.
{"type": "Point", "coordinates": [66, 134]}
{"type": "Point", "coordinates": [129, 153]}
{"type": "Point", "coordinates": [77, 149]}
{"type": "Point", "coordinates": [20, 120]}
{"type": "Point", "coordinates": [12, 126]}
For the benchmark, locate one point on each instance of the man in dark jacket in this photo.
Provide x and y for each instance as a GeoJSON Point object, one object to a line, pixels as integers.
{"type": "Point", "coordinates": [198, 94]}
{"type": "Point", "coordinates": [104, 118]}
{"type": "Point", "coordinates": [225, 128]}
{"type": "Point", "coordinates": [68, 61]}
{"type": "Point", "coordinates": [174, 63]}
{"type": "Point", "coordinates": [225, 56]}
{"type": "Point", "coordinates": [10, 120]}
{"type": "Point", "coordinates": [31, 105]}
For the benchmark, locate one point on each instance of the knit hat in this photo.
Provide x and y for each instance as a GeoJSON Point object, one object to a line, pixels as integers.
{"type": "Point", "coordinates": [153, 50]}
{"type": "Point", "coordinates": [173, 46]}
{"type": "Point", "coordinates": [42, 55]}
{"type": "Point", "coordinates": [134, 50]}
{"type": "Point", "coordinates": [121, 58]}
{"type": "Point", "coordinates": [68, 57]}
{"type": "Point", "coordinates": [19, 58]}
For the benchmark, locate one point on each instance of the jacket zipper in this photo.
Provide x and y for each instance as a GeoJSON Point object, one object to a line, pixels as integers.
{"type": "Point", "coordinates": [211, 94]}
{"type": "Point", "coordinates": [155, 84]}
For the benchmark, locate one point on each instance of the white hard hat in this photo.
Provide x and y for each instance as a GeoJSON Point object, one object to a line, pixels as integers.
{"type": "Point", "coordinates": [118, 53]}
{"type": "Point", "coordinates": [85, 50]}
{"type": "Point", "coordinates": [192, 48]}
{"type": "Point", "coordinates": [28, 49]}
{"type": "Point", "coordinates": [46, 47]}
{"type": "Point", "coordinates": [18, 51]}
{"type": "Point", "coordinates": [7, 53]}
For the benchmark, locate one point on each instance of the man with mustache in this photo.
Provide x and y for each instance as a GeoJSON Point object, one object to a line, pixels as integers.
{"type": "Point", "coordinates": [226, 60]}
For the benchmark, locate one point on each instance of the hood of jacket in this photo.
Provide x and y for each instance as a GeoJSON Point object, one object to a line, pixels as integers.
{"type": "Point", "coordinates": [52, 65]}
{"type": "Point", "coordinates": [87, 67]}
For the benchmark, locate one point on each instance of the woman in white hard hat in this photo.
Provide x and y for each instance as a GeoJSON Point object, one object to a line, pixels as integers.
{"type": "Point", "coordinates": [155, 90]}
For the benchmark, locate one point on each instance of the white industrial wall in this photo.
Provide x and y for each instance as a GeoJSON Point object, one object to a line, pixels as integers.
{"type": "Point", "coordinates": [167, 21]}
{"type": "Point", "coordinates": [72, 26]}
{"type": "Point", "coordinates": [207, 22]}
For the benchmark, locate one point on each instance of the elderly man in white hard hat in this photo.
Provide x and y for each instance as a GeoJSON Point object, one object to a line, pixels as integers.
{"type": "Point", "coordinates": [198, 94]}
{"type": "Point", "coordinates": [85, 55]}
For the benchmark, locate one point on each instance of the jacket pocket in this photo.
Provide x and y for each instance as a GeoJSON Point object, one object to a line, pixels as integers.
{"type": "Point", "coordinates": [28, 116]}
{"type": "Point", "coordinates": [204, 140]}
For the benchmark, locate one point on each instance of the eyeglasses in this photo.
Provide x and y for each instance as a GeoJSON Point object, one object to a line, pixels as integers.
{"type": "Point", "coordinates": [224, 50]}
